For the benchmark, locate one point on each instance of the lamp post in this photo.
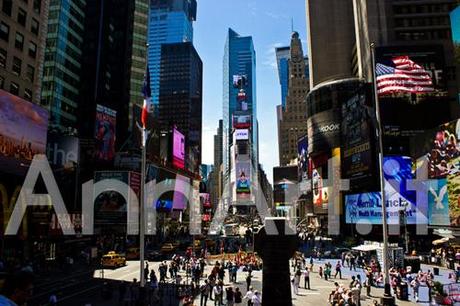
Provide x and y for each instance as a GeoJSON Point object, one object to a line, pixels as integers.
{"type": "Point", "coordinates": [387, 299]}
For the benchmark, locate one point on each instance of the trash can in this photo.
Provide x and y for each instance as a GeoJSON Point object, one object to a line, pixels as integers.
{"type": "Point", "coordinates": [436, 270]}
{"type": "Point", "coordinates": [402, 291]}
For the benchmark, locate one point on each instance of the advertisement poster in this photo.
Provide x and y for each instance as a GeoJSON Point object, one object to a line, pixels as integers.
{"type": "Point", "coordinates": [324, 130]}
{"type": "Point", "coordinates": [239, 80]}
{"type": "Point", "coordinates": [243, 183]}
{"type": "Point", "coordinates": [241, 121]}
{"type": "Point", "coordinates": [178, 150]}
{"type": "Point", "coordinates": [356, 136]}
{"type": "Point", "coordinates": [23, 132]}
{"type": "Point", "coordinates": [302, 158]}
{"type": "Point", "coordinates": [438, 203]}
{"type": "Point", "coordinates": [104, 133]}
{"type": "Point", "coordinates": [205, 200]}
{"type": "Point", "coordinates": [242, 134]}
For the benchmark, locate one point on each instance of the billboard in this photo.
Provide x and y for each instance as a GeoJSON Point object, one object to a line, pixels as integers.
{"type": "Point", "coordinates": [367, 207]}
{"type": "Point", "coordinates": [243, 180]}
{"type": "Point", "coordinates": [242, 134]}
{"type": "Point", "coordinates": [438, 202]}
{"type": "Point", "coordinates": [205, 200]}
{"type": "Point", "coordinates": [164, 205]}
{"type": "Point", "coordinates": [239, 80]}
{"type": "Point", "coordinates": [302, 158]}
{"type": "Point", "coordinates": [110, 207]}
{"type": "Point", "coordinates": [178, 149]}
{"type": "Point", "coordinates": [104, 133]}
{"type": "Point", "coordinates": [62, 150]}
{"type": "Point", "coordinates": [180, 198]}
{"type": "Point", "coordinates": [357, 158]}
{"type": "Point", "coordinates": [23, 131]}
{"type": "Point", "coordinates": [241, 121]}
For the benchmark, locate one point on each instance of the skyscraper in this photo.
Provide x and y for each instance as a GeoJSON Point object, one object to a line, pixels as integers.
{"type": "Point", "coordinates": [62, 67]}
{"type": "Point", "coordinates": [292, 123]}
{"type": "Point", "coordinates": [181, 97]}
{"type": "Point", "coordinates": [22, 40]}
{"type": "Point", "coordinates": [170, 21]}
{"type": "Point", "coordinates": [239, 59]}
{"type": "Point", "coordinates": [282, 57]}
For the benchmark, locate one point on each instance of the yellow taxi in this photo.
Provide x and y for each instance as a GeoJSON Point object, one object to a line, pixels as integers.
{"type": "Point", "coordinates": [113, 260]}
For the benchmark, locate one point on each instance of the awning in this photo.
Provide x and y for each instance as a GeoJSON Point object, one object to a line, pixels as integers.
{"type": "Point", "coordinates": [441, 241]}
{"type": "Point", "coordinates": [365, 248]}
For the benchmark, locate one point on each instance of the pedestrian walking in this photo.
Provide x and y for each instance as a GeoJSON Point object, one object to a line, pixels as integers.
{"type": "Point", "coordinates": [368, 285]}
{"type": "Point", "coordinates": [296, 282]}
{"type": "Point", "coordinates": [218, 294]}
{"type": "Point", "coordinates": [248, 281]}
{"type": "Point", "coordinates": [256, 299]}
{"type": "Point", "coordinates": [230, 296]}
{"type": "Point", "coordinates": [238, 297]}
{"type": "Point", "coordinates": [306, 276]}
{"type": "Point", "coordinates": [205, 290]}
{"type": "Point", "coordinates": [338, 270]}
{"type": "Point", "coordinates": [320, 271]}
{"type": "Point", "coordinates": [248, 296]}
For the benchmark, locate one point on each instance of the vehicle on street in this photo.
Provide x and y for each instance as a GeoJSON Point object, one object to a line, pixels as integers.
{"type": "Point", "coordinates": [113, 260]}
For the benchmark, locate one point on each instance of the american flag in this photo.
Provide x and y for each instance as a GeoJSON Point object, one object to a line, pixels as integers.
{"type": "Point", "coordinates": [402, 75]}
{"type": "Point", "coordinates": [148, 104]}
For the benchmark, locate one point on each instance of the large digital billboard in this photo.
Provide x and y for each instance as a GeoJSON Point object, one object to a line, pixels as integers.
{"type": "Point", "coordinates": [23, 131]}
{"type": "Point", "coordinates": [62, 150]}
{"type": "Point", "coordinates": [205, 200]}
{"type": "Point", "coordinates": [178, 149]}
{"type": "Point", "coordinates": [241, 121]}
{"type": "Point", "coordinates": [242, 134]}
{"type": "Point", "coordinates": [357, 158]}
{"type": "Point", "coordinates": [105, 132]}
{"type": "Point", "coordinates": [243, 180]}
{"type": "Point", "coordinates": [302, 158]}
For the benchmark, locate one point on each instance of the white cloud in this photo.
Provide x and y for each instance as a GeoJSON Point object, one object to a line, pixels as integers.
{"type": "Point", "coordinates": [275, 15]}
{"type": "Point", "coordinates": [270, 56]}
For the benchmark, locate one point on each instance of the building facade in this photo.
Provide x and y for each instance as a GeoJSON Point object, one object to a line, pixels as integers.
{"type": "Point", "coordinates": [23, 28]}
{"type": "Point", "coordinates": [170, 21]}
{"type": "Point", "coordinates": [292, 123]}
{"type": "Point", "coordinates": [181, 97]}
{"type": "Point", "coordinates": [282, 57]}
{"type": "Point", "coordinates": [63, 63]}
{"type": "Point", "coordinates": [239, 60]}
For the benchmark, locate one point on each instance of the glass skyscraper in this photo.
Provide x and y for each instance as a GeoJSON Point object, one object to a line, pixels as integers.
{"type": "Point", "coordinates": [239, 59]}
{"type": "Point", "coordinates": [170, 21]}
{"type": "Point", "coordinates": [61, 74]}
{"type": "Point", "coordinates": [283, 54]}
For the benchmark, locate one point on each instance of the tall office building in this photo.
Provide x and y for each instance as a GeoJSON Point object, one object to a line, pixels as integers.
{"type": "Point", "coordinates": [292, 123]}
{"type": "Point", "coordinates": [282, 57]}
{"type": "Point", "coordinates": [23, 29]}
{"type": "Point", "coordinates": [62, 66]}
{"type": "Point", "coordinates": [170, 21]}
{"type": "Point", "coordinates": [181, 78]}
{"type": "Point", "coordinates": [239, 59]}
{"type": "Point", "coordinates": [218, 143]}
{"type": "Point", "coordinates": [331, 37]}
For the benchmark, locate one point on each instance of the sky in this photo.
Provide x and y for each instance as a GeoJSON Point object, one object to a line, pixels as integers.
{"type": "Point", "coordinates": [269, 24]}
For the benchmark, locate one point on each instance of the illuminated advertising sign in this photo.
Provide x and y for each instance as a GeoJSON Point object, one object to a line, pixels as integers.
{"type": "Point", "coordinates": [242, 134]}
{"type": "Point", "coordinates": [367, 207]}
{"type": "Point", "coordinates": [241, 121]}
{"type": "Point", "coordinates": [178, 150]}
{"type": "Point", "coordinates": [62, 150]}
{"type": "Point", "coordinates": [239, 80]}
{"type": "Point", "coordinates": [243, 183]}
{"type": "Point", "coordinates": [23, 131]}
{"type": "Point", "coordinates": [104, 133]}
{"type": "Point", "coordinates": [205, 200]}
{"type": "Point", "coordinates": [438, 202]}
{"type": "Point", "coordinates": [164, 205]}
{"type": "Point", "coordinates": [180, 192]}
{"type": "Point", "coordinates": [302, 158]}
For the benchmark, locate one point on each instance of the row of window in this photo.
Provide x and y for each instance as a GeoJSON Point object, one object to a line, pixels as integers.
{"type": "Point", "coordinates": [14, 89]}
{"type": "Point", "coordinates": [18, 40]}
{"type": "Point", "coordinates": [422, 22]}
{"type": "Point", "coordinates": [423, 9]}
{"type": "Point", "coordinates": [16, 66]}
{"type": "Point", "coordinates": [7, 6]}
{"type": "Point", "coordinates": [423, 35]}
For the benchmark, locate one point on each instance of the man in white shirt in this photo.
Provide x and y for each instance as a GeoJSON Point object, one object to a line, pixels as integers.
{"type": "Point", "coordinates": [306, 275]}
{"type": "Point", "coordinates": [256, 299]}
{"type": "Point", "coordinates": [249, 294]}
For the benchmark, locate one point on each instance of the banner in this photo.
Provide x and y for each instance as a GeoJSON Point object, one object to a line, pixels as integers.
{"type": "Point", "coordinates": [438, 203]}
{"type": "Point", "coordinates": [104, 133]}
{"type": "Point", "coordinates": [243, 182]}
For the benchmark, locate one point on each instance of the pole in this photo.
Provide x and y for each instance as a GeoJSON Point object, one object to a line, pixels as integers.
{"type": "Point", "coordinates": [387, 298]}
{"type": "Point", "coordinates": [142, 208]}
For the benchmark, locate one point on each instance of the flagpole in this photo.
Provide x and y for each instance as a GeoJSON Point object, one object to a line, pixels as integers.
{"type": "Point", "coordinates": [387, 298]}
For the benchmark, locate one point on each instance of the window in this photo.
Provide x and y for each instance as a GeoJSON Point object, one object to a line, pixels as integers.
{"type": "Point", "coordinates": [17, 63]}
{"type": "Point", "coordinates": [19, 42]}
{"type": "Point", "coordinates": [34, 26]}
{"type": "Point", "coordinates": [37, 6]}
{"type": "Point", "coordinates": [4, 31]}
{"type": "Point", "coordinates": [30, 73]}
{"type": "Point", "coordinates": [22, 16]}
{"type": "Point", "coordinates": [3, 55]}
{"type": "Point", "coordinates": [14, 88]}
{"type": "Point", "coordinates": [32, 49]}
{"type": "Point", "coordinates": [7, 6]}
{"type": "Point", "coordinates": [28, 94]}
